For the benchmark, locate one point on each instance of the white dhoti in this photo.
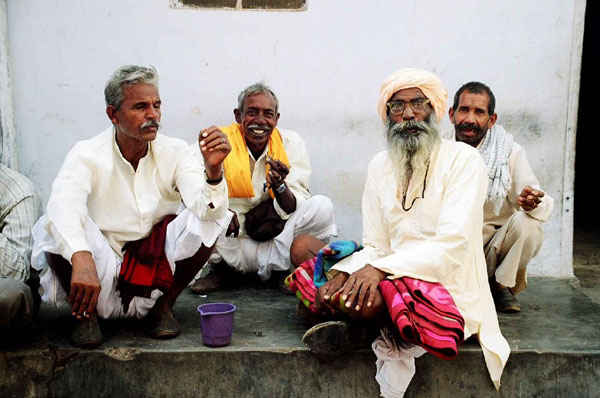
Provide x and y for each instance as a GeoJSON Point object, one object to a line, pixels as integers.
{"type": "Point", "coordinates": [509, 249]}
{"type": "Point", "coordinates": [395, 365]}
{"type": "Point", "coordinates": [314, 217]}
{"type": "Point", "coordinates": [185, 235]}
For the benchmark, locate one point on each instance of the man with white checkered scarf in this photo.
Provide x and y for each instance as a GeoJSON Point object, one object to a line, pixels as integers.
{"type": "Point", "coordinates": [515, 204]}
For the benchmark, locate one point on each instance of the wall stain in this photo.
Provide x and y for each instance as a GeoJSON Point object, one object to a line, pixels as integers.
{"type": "Point", "coordinates": [523, 124]}
{"type": "Point", "coordinates": [546, 161]}
{"type": "Point", "coordinates": [356, 126]}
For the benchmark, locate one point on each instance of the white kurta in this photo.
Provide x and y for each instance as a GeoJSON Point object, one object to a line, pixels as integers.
{"type": "Point", "coordinates": [96, 181]}
{"type": "Point", "coordinates": [312, 216]}
{"type": "Point", "coordinates": [99, 203]}
{"type": "Point", "coordinates": [514, 236]}
{"type": "Point", "coordinates": [438, 240]}
{"type": "Point", "coordinates": [521, 176]}
{"type": "Point", "coordinates": [297, 180]}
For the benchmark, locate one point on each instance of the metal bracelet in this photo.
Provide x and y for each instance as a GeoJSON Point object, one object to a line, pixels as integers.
{"type": "Point", "coordinates": [216, 180]}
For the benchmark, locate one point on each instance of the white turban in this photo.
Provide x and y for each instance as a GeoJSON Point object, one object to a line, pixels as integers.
{"type": "Point", "coordinates": [427, 82]}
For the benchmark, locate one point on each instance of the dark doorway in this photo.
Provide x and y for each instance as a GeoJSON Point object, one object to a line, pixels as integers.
{"type": "Point", "coordinates": [587, 156]}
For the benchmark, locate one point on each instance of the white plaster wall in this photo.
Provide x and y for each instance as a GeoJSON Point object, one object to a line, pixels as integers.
{"type": "Point", "coordinates": [326, 65]}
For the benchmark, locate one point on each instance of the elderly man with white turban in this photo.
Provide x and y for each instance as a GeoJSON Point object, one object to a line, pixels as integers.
{"type": "Point", "coordinates": [422, 217]}
{"type": "Point", "coordinates": [515, 204]}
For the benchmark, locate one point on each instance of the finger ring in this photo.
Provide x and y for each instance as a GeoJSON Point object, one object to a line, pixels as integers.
{"type": "Point", "coordinates": [84, 313]}
{"type": "Point", "coordinates": [223, 140]}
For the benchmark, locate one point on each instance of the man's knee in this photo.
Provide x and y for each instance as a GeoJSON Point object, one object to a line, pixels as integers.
{"type": "Point", "coordinates": [324, 207]}
{"type": "Point", "coordinates": [527, 229]}
{"type": "Point", "coordinates": [203, 250]}
{"type": "Point", "coordinates": [303, 248]}
{"type": "Point", "coordinates": [200, 257]}
{"type": "Point", "coordinates": [16, 303]}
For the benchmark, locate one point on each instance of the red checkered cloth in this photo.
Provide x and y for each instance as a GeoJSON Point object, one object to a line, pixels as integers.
{"type": "Point", "coordinates": [145, 266]}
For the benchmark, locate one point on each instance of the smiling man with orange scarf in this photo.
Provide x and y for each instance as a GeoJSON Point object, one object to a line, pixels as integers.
{"type": "Point", "coordinates": [267, 174]}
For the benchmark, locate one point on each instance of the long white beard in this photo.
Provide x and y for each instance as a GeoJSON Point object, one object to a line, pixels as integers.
{"type": "Point", "coordinates": [410, 152]}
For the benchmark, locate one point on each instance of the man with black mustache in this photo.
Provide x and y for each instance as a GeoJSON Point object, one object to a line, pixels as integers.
{"type": "Point", "coordinates": [515, 204]}
{"type": "Point", "coordinates": [115, 191]}
{"type": "Point", "coordinates": [267, 175]}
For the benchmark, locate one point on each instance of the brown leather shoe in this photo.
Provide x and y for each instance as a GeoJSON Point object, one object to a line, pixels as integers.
{"type": "Point", "coordinates": [211, 283]}
{"type": "Point", "coordinates": [220, 276]}
{"type": "Point", "coordinates": [87, 333]}
{"type": "Point", "coordinates": [506, 302]}
{"type": "Point", "coordinates": [162, 325]}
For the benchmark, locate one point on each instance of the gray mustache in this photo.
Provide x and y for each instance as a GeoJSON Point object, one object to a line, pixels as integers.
{"type": "Point", "coordinates": [150, 123]}
{"type": "Point", "coordinates": [258, 126]}
{"type": "Point", "coordinates": [411, 124]}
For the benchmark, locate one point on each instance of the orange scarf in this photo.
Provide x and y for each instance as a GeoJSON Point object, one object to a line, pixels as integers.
{"type": "Point", "coordinates": [237, 163]}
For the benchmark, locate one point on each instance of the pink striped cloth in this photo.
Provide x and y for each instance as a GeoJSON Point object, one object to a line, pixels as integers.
{"type": "Point", "coordinates": [301, 282]}
{"type": "Point", "coordinates": [425, 314]}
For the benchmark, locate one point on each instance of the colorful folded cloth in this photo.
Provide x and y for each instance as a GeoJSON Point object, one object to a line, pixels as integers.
{"type": "Point", "coordinates": [301, 283]}
{"type": "Point", "coordinates": [145, 266]}
{"type": "Point", "coordinates": [312, 274]}
{"type": "Point", "coordinates": [329, 256]}
{"type": "Point", "coordinates": [425, 314]}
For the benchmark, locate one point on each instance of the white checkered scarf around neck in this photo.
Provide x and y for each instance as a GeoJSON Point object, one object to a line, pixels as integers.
{"type": "Point", "coordinates": [494, 150]}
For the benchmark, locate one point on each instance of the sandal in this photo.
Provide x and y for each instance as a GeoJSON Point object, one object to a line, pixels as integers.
{"type": "Point", "coordinates": [87, 333]}
{"type": "Point", "coordinates": [162, 325]}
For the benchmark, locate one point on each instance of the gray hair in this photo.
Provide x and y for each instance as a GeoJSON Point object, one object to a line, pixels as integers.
{"type": "Point", "coordinates": [256, 88]}
{"type": "Point", "coordinates": [126, 76]}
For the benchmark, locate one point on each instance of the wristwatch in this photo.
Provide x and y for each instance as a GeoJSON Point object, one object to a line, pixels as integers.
{"type": "Point", "coordinates": [281, 188]}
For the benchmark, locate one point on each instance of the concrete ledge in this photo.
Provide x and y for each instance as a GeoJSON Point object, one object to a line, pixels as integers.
{"type": "Point", "coordinates": [555, 343]}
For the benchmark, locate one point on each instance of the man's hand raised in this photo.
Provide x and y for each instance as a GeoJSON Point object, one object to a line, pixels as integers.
{"type": "Point", "coordinates": [214, 147]}
{"type": "Point", "coordinates": [277, 173]}
{"type": "Point", "coordinates": [530, 198]}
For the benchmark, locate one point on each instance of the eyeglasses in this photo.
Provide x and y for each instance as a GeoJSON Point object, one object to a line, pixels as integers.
{"type": "Point", "coordinates": [418, 105]}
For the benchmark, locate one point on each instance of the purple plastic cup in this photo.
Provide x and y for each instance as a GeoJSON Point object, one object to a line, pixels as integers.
{"type": "Point", "coordinates": [216, 321]}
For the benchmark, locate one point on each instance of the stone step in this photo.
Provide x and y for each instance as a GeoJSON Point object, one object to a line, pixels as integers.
{"type": "Point", "coordinates": [555, 344]}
